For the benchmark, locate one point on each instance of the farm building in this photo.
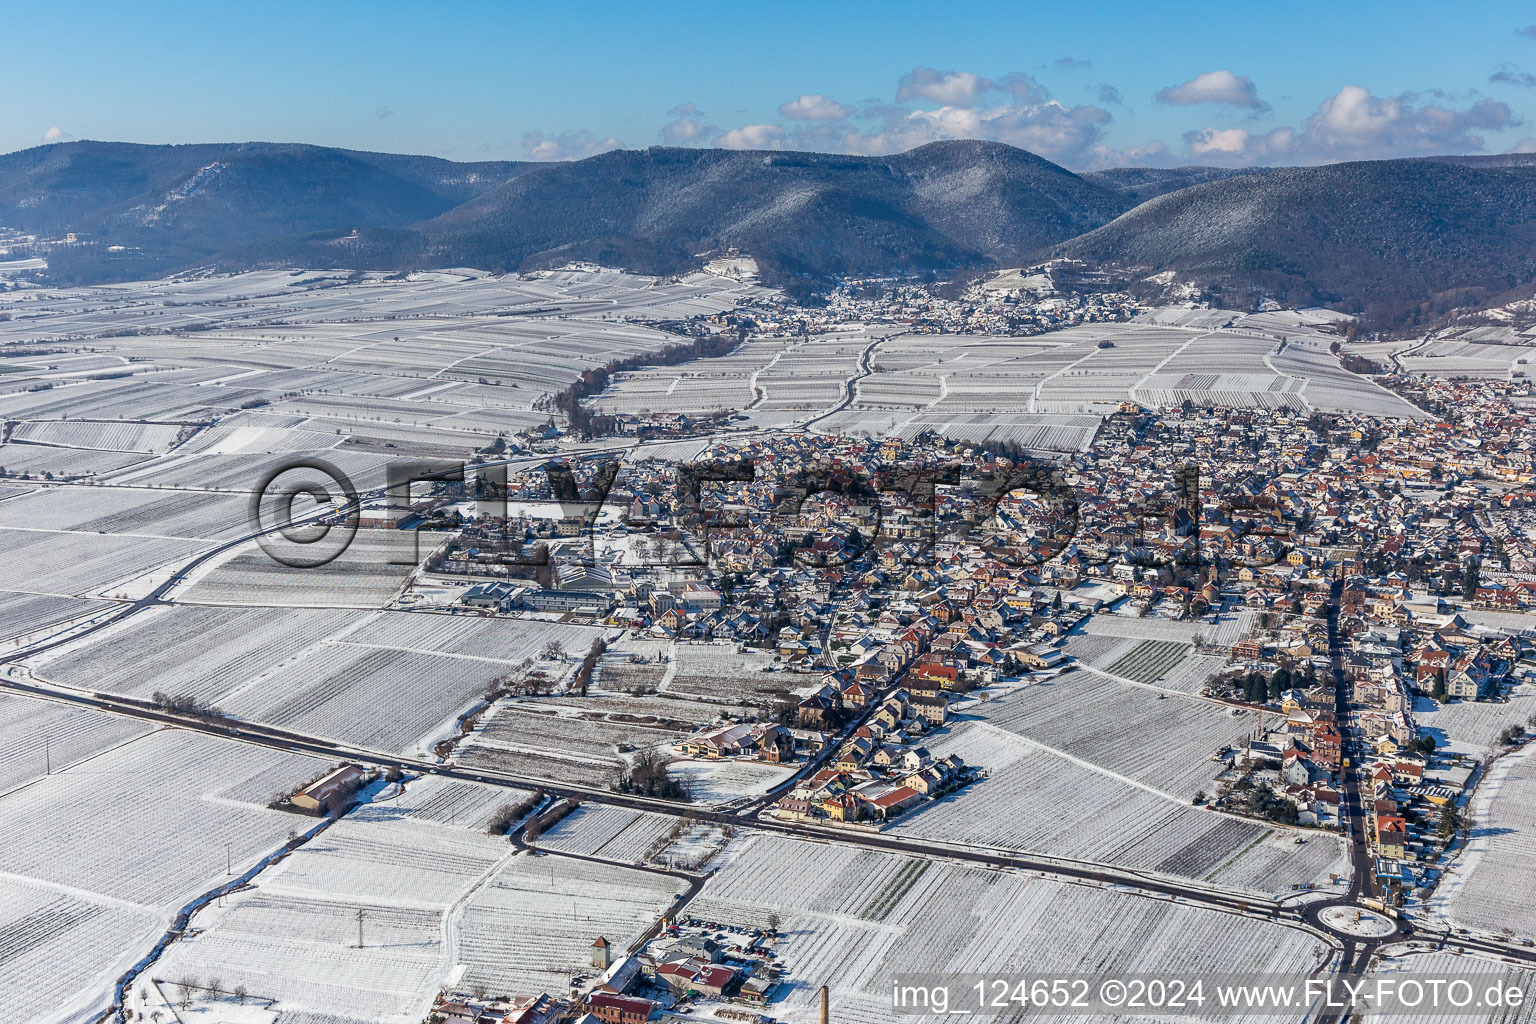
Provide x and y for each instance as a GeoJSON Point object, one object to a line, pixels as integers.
{"type": "Point", "coordinates": [328, 791]}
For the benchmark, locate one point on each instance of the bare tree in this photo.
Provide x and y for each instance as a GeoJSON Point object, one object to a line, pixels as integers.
{"type": "Point", "coordinates": [241, 994]}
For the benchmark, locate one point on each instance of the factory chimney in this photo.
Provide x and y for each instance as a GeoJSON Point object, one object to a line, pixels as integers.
{"type": "Point", "coordinates": [823, 1004]}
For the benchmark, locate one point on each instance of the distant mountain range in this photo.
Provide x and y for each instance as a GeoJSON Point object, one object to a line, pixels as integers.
{"type": "Point", "coordinates": [185, 205]}
{"type": "Point", "coordinates": [1395, 239]}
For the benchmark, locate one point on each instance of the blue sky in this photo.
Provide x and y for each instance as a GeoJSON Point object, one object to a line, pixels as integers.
{"type": "Point", "coordinates": [1093, 86]}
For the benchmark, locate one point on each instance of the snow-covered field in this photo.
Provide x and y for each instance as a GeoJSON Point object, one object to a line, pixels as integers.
{"type": "Point", "coordinates": [1046, 391]}
{"type": "Point", "coordinates": [532, 926]}
{"type": "Point", "coordinates": [719, 671]}
{"type": "Point", "coordinates": [1473, 727]}
{"type": "Point", "coordinates": [1487, 887]}
{"type": "Point", "coordinates": [1039, 799]}
{"type": "Point", "coordinates": [328, 672]}
{"type": "Point", "coordinates": [96, 857]}
{"type": "Point", "coordinates": [1480, 973]}
{"type": "Point", "coordinates": [1162, 742]}
{"type": "Point", "coordinates": [854, 918]}
{"type": "Point", "coordinates": [293, 938]}
{"type": "Point", "coordinates": [717, 782]}
{"type": "Point", "coordinates": [612, 833]}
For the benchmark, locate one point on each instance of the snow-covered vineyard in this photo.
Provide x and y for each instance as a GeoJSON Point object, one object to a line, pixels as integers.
{"type": "Point", "coordinates": [848, 916]}
{"type": "Point", "coordinates": [1047, 391]}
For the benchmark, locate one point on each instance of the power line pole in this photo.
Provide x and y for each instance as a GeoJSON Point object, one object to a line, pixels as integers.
{"type": "Point", "coordinates": [359, 927]}
{"type": "Point", "coordinates": [47, 757]}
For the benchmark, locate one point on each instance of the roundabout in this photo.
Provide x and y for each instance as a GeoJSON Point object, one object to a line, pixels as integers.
{"type": "Point", "coordinates": [1350, 921]}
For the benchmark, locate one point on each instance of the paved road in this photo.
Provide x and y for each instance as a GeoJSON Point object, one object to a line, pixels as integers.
{"type": "Point", "coordinates": [862, 372]}
{"type": "Point", "coordinates": [293, 742]}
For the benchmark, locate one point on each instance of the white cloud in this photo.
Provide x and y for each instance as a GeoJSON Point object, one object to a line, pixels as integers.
{"type": "Point", "coordinates": [56, 134]}
{"type": "Point", "coordinates": [567, 145]}
{"type": "Point", "coordinates": [1217, 142]}
{"type": "Point", "coordinates": [1214, 87]}
{"type": "Point", "coordinates": [812, 106]}
{"type": "Point", "coordinates": [1051, 129]}
{"type": "Point", "coordinates": [754, 136]}
{"type": "Point", "coordinates": [687, 131]}
{"type": "Point", "coordinates": [1525, 145]}
{"type": "Point", "coordinates": [1353, 124]}
{"type": "Point", "coordinates": [948, 88]}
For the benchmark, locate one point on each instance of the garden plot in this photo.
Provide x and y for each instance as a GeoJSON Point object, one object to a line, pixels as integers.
{"type": "Point", "coordinates": [1487, 887]}
{"type": "Point", "coordinates": [1165, 743]}
{"type": "Point", "coordinates": [1181, 669]}
{"type": "Point", "coordinates": [663, 711]}
{"type": "Point", "coordinates": [145, 438]}
{"type": "Point", "coordinates": [630, 665]}
{"type": "Point", "coordinates": [720, 782]}
{"type": "Point", "coordinates": [1099, 650]}
{"type": "Point", "coordinates": [294, 938]}
{"type": "Point", "coordinates": [712, 672]}
{"type": "Point", "coordinates": [1141, 629]}
{"type": "Point", "coordinates": [1037, 800]}
{"type": "Point", "coordinates": [1149, 660]}
{"type": "Point", "coordinates": [609, 832]}
{"type": "Point", "coordinates": [694, 845]}
{"type": "Point", "coordinates": [584, 740]}
{"type": "Point", "coordinates": [1473, 727]}
{"type": "Point", "coordinates": [529, 726]}
{"type": "Point", "coordinates": [187, 650]}
{"type": "Point", "coordinates": [1193, 673]}
{"type": "Point", "coordinates": [853, 918]}
{"type": "Point", "coordinates": [83, 564]}
{"type": "Point", "coordinates": [531, 928]}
